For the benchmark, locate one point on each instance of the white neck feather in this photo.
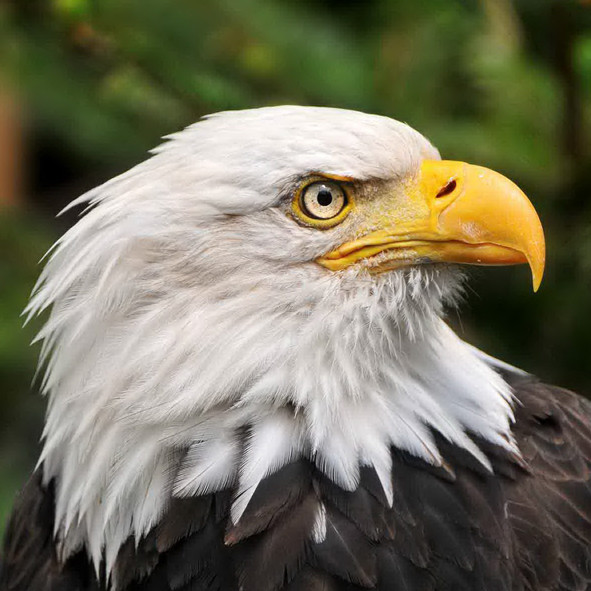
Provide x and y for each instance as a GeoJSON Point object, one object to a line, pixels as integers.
{"type": "Point", "coordinates": [149, 389]}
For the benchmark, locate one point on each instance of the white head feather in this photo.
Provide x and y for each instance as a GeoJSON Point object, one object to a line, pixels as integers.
{"type": "Point", "coordinates": [186, 304]}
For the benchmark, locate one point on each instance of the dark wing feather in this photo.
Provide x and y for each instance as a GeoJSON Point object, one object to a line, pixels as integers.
{"type": "Point", "coordinates": [277, 494]}
{"type": "Point", "coordinates": [29, 561]}
{"type": "Point", "coordinates": [359, 506]}
{"type": "Point", "coordinates": [550, 511]}
{"type": "Point", "coordinates": [312, 580]}
{"type": "Point", "coordinates": [271, 559]}
{"type": "Point", "coordinates": [185, 517]}
{"type": "Point", "coordinates": [345, 552]}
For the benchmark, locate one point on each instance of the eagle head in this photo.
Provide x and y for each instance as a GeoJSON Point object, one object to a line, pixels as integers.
{"type": "Point", "coordinates": [270, 284]}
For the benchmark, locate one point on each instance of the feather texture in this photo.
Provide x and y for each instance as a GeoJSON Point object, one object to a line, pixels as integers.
{"type": "Point", "coordinates": [521, 530]}
{"type": "Point", "coordinates": [195, 350]}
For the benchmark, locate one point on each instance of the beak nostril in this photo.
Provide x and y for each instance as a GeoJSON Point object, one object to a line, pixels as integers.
{"type": "Point", "coordinates": [448, 188]}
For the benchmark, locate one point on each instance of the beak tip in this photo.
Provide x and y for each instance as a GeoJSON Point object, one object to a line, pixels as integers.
{"type": "Point", "coordinates": [537, 276]}
{"type": "Point", "coordinates": [536, 258]}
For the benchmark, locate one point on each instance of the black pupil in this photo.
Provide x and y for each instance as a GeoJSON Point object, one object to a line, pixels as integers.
{"type": "Point", "coordinates": [324, 197]}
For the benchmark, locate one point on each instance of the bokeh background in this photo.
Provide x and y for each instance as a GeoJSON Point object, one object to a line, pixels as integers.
{"type": "Point", "coordinates": [88, 86]}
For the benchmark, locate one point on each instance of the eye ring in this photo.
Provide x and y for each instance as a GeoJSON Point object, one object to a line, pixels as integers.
{"type": "Point", "coordinates": [322, 202]}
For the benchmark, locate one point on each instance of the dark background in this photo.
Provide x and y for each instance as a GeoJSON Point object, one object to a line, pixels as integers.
{"type": "Point", "coordinates": [87, 87]}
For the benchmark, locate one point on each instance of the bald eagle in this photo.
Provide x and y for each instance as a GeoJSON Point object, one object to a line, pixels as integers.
{"type": "Point", "coordinates": [251, 385]}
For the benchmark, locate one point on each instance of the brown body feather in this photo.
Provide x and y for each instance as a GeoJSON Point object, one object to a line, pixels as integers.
{"type": "Point", "coordinates": [525, 527]}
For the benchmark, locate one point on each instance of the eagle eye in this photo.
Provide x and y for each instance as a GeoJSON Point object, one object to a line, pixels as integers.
{"type": "Point", "coordinates": [323, 200]}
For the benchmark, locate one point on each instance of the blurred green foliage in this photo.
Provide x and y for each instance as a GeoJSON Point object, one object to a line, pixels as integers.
{"type": "Point", "coordinates": [502, 83]}
{"type": "Point", "coordinates": [23, 241]}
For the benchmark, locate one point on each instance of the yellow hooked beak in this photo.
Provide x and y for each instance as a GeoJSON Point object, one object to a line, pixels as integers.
{"type": "Point", "coordinates": [453, 212]}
